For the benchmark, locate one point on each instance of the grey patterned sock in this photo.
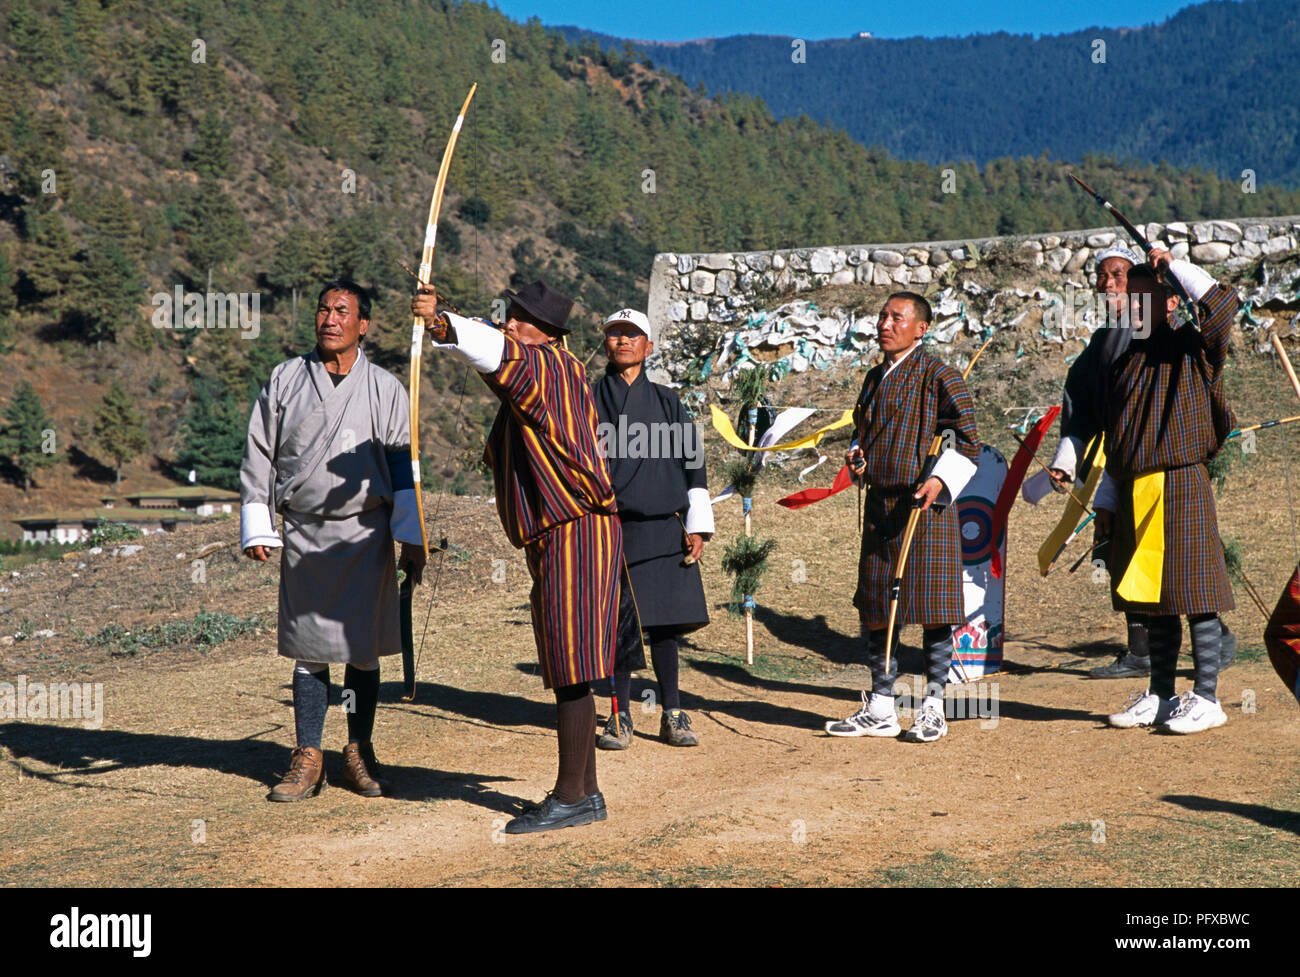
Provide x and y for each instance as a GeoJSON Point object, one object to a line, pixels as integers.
{"type": "Point", "coordinates": [1207, 646]}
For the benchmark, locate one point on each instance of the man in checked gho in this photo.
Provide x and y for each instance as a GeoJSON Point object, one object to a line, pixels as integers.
{"type": "Point", "coordinates": [328, 449]}
{"type": "Point", "coordinates": [556, 501]}
{"type": "Point", "coordinates": [1166, 417]}
{"type": "Point", "coordinates": [906, 402]}
{"type": "Point", "coordinates": [1083, 419]}
{"type": "Point", "coordinates": [656, 462]}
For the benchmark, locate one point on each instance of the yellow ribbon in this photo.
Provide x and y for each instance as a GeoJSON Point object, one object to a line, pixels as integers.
{"type": "Point", "coordinates": [722, 424]}
{"type": "Point", "coordinates": [1047, 553]}
{"type": "Point", "coordinates": [1141, 581]}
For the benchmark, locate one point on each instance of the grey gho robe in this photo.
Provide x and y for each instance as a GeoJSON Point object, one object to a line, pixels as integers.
{"type": "Point", "coordinates": [334, 462]}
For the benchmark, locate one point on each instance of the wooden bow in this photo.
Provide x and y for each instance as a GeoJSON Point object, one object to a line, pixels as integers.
{"type": "Point", "coordinates": [413, 391]}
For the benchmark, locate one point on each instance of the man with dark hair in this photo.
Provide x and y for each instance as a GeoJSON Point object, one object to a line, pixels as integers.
{"type": "Point", "coordinates": [556, 501]}
{"type": "Point", "coordinates": [1166, 417]}
{"type": "Point", "coordinates": [1083, 405]}
{"type": "Point", "coordinates": [329, 450]}
{"type": "Point", "coordinates": [906, 402]}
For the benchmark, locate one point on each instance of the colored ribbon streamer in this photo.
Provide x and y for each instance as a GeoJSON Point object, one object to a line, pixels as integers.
{"type": "Point", "coordinates": [808, 496]}
{"type": "Point", "coordinates": [1141, 581]}
{"type": "Point", "coordinates": [722, 424]}
{"type": "Point", "coordinates": [1282, 636]}
{"type": "Point", "coordinates": [1051, 548]}
{"type": "Point", "coordinates": [1015, 475]}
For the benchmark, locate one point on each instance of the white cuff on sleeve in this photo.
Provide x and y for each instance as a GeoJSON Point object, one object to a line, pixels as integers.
{"type": "Point", "coordinates": [1195, 281]}
{"type": "Point", "coordinates": [405, 520]}
{"type": "Point", "coordinates": [256, 527]}
{"type": "Point", "coordinates": [1107, 496]}
{"type": "Point", "coordinates": [699, 515]}
{"type": "Point", "coordinates": [1036, 487]}
{"type": "Point", "coordinates": [954, 470]}
{"type": "Point", "coordinates": [482, 347]}
{"type": "Point", "coordinates": [1067, 456]}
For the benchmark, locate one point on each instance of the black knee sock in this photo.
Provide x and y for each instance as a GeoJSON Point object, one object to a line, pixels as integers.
{"type": "Point", "coordinates": [882, 682]}
{"type": "Point", "coordinates": [1207, 647]}
{"type": "Point", "coordinates": [663, 654]}
{"type": "Point", "coordinates": [623, 689]}
{"type": "Point", "coordinates": [938, 659]}
{"type": "Point", "coordinates": [1139, 641]}
{"type": "Point", "coordinates": [365, 691]}
{"type": "Point", "coordinates": [311, 697]}
{"type": "Point", "coordinates": [576, 729]}
{"type": "Point", "coordinates": [1166, 634]}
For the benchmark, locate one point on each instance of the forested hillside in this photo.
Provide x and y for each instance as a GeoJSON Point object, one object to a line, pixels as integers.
{"type": "Point", "coordinates": [1209, 87]}
{"type": "Point", "coordinates": [261, 148]}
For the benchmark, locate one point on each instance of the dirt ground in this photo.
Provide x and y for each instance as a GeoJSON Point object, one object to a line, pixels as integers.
{"type": "Point", "coordinates": [170, 791]}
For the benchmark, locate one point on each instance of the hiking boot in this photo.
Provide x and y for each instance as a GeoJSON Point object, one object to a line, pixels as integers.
{"type": "Point", "coordinates": [929, 724]}
{"type": "Point", "coordinates": [1194, 714]}
{"type": "Point", "coordinates": [1125, 666]}
{"type": "Point", "coordinates": [360, 768]}
{"type": "Point", "coordinates": [1142, 709]}
{"type": "Point", "coordinates": [616, 740]}
{"type": "Point", "coordinates": [873, 719]}
{"type": "Point", "coordinates": [306, 776]}
{"type": "Point", "coordinates": [675, 729]}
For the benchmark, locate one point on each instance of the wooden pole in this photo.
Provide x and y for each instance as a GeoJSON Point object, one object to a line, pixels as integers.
{"type": "Point", "coordinates": [1286, 362]}
{"type": "Point", "coordinates": [749, 533]}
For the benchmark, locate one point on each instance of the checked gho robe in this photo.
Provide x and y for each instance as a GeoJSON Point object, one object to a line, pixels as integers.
{"type": "Point", "coordinates": [1163, 395]}
{"type": "Point", "coordinates": [334, 462]}
{"type": "Point", "coordinates": [897, 415]}
{"type": "Point", "coordinates": [554, 497]}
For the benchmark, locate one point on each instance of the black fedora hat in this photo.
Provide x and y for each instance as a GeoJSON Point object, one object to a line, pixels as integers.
{"type": "Point", "coordinates": [550, 307]}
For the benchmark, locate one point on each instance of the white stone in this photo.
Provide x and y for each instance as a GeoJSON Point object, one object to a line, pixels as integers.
{"type": "Point", "coordinates": [1210, 253]}
{"type": "Point", "coordinates": [1257, 233]}
{"type": "Point", "coordinates": [759, 261]}
{"type": "Point", "coordinates": [1203, 232]}
{"type": "Point", "coordinates": [95, 550]}
{"type": "Point", "coordinates": [1030, 246]}
{"type": "Point", "coordinates": [1179, 250]}
{"type": "Point", "coordinates": [1153, 231]}
{"type": "Point", "coordinates": [677, 311]}
{"type": "Point", "coordinates": [1276, 245]}
{"type": "Point", "coordinates": [879, 274]}
{"type": "Point", "coordinates": [1057, 258]}
{"type": "Point", "coordinates": [1102, 240]}
{"type": "Point", "coordinates": [939, 257]}
{"type": "Point", "coordinates": [890, 259]}
{"type": "Point", "coordinates": [902, 275]}
{"type": "Point", "coordinates": [723, 283]}
{"type": "Point", "coordinates": [821, 262]}
{"type": "Point", "coordinates": [1079, 260]}
{"type": "Point", "coordinates": [685, 282]}
{"type": "Point", "coordinates": [717, 262]}
{"type": "Point", "coordinates": [1049, 242]}
{"type": "Point", "coordinates": [1177, 231]}
{"type": "Point", "coordinates": [778, 262]}
{"type": "Point", "coordinates": [842, 277]}
{"type": "Point", "coordinates": [959, 254]}
{"type": "Point", "coordinates": [699, 310]}
{"type": "Point", "coordinates": [44, 633]}
{"type": "Point", "coordinates": [862, 273]}
{"type": "Point", "coordinates": [685, 263]}
{"type": "Point", "coordinates": [1226, 231]}
{"type": "Point", "coordinates": [1246, 249]}
{"type": "Point", "coordinates": [1237, 264]}
{"type": "Point", "coordinates": [703, 282]}
{"type": "Point", "coordinates": [922, 275]}
{"type": "Point", "coordinates": [127, 550]}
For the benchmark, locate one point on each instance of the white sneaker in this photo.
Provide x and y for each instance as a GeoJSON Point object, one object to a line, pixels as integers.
{"type": "Point", "coordinates": [1143, 709]}
{"type": "Point", "coordinates": [929, 724]}
{"type": "Point", "coordinates": [1195, 714]}
{"type": "Point", "coordinates": [875, 718]}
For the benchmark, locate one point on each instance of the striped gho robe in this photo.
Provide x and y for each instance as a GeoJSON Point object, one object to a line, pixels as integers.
{"type": "Point", "coordinates": [556, 501]}
{"type": "Point", "coordinates": [897, 416]}
{"type": "Point", "coordinates": [1162, 397]}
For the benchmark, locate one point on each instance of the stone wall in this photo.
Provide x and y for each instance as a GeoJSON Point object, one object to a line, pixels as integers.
{"type": "Point", "coordinates": [729, 302]}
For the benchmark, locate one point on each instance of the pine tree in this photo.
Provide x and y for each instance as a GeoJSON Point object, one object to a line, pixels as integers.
{"type": "Point", "coordinates": [211, 153]}
{"type": "Point", "coordinates": [27, 438]}
{"type": "Point", "coordinates": [213, 432]}
{"type": "Point", "coordinates": [298, 263]}
{"type": "Point", "coordinates": [108, 292]}
{"type": "Point", "coordinates": [214, 227]}
{"type": "Point", "coordinates": [50, 260]}
{"type": "Point", "coordinates": [119, 429]}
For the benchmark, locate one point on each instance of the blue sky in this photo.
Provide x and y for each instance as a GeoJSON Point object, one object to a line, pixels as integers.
{"type": "Point", "coordinates": [680, 20]}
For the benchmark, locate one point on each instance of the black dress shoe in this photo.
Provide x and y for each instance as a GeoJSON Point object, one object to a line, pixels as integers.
{"type": "Point", "coordinates": [551, 814]}
{"type": "Point", "coordinates": [598, 806]}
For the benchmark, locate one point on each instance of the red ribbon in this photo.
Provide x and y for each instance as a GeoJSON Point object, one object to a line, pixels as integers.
{"type": "Point", "coordinates": [1015, 476]}
{"type": "Point", "coordinates": [808, 496]}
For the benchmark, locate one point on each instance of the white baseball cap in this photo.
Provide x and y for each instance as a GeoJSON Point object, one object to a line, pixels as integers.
{"type": "Point", "coordinates": [634, 318]}
{"type": "Point", "coordinates": [1118, 251]}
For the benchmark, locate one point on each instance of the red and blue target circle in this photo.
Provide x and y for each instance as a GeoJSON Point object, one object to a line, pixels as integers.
{"type": "Point", "coordinates": [975, 526]}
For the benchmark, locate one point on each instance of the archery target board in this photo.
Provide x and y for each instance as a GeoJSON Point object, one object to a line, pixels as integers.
{"type": "Point", "coordinates": [977, 644]}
